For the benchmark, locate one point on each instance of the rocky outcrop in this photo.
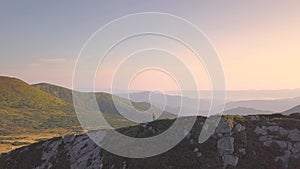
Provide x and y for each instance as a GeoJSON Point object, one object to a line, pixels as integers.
{"type": "Point", "coordinates": [226, 145]}
{"type": "Point", "coordinates": [285, 140]}
{"type": "Point", "coordinates": [244, 144]}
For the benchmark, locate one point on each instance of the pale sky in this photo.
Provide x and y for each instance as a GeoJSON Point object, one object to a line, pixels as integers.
{"type": "Point", "coordinates": [256, 41]}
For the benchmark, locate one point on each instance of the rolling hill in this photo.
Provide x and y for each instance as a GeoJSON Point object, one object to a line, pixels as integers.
{"type": "Point", "coordinates": [245, 111]}
{"type": "Point", "coordinates": [106, 102]}
{"type": "Point", "coordinates": [25, 107]}
{"type": "Point", "coordinates": [276, 105]}
{"type": "Point", "coordinates": [294, 110]}
{"type": "Point", "coordinates": [30, 113]}
{"type": "Point", "coordinates": [15, 93]}
{"type": "Point", "coordinates": [260, 106]}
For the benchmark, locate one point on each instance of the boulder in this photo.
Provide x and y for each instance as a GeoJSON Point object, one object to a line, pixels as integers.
{"type": "Point", "coordinates": [294, 136]}
{"type": "Point", "coordinates": [239, 128]}
{"type": "Point", "coordinates": [294, 148]}
{"type": "Point", "coordinates": [223, 127]}
{"type": "Point", "coordinates": [281, 144]}
{"type": "Point", "coordinates": [68, 139]}
{"type": "Point", "coordinates": [226, 145]}
{"type": "Point", "coordinates": [230, 160]}
{"type": "Point", "coordinates": [283, 132]}
{"type": "Point", "coordinates": [242, 151]}
{"type": "Point", "coordinates": [198, 154]}
{"type": "Point", "coordinates": [273, 128]}
{"type": "Point", "coordinates": [260, 131]}
{"type": "Point", "coordinates": [265, 138]}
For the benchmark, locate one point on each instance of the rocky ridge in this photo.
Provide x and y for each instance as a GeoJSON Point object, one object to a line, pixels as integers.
{"type": "Point", "coordinates": [238, 142]}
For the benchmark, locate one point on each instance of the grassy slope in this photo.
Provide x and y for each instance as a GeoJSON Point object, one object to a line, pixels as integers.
{"type": "Point", "coordinates": [105, 100]}
{"type": "Point", "coordinates": [23, 106]}
{"type": "Point", "coordinates": [28, 114]}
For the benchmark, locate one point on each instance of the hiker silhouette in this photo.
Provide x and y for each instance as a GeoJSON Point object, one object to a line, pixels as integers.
{"type": "Point", "coordinates": [154, 115]}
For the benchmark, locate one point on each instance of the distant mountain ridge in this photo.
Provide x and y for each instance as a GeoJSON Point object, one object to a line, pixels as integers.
{"type": "Point", "coordinates": [105, 100]}
{"type": "Point", "coordinates": [260, 106]}
{"type": "Point", "coordinates": [294, 110]}
{"type": "Point", "coordinates": [245, 111]}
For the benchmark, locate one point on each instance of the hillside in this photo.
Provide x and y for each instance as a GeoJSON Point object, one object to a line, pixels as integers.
{"type": "Point", "coordinates": [263, 142]}
{"type": "Point", "coordinates": [32, 113]}
{"type": "Point", "coordinates": [294, 110]}
{"type": "Point", "coordinates": [105, 101]}
{"type": "Point", "coordinates": [15, 93]}
{"type": "Point", "coordinates": [59, 92]}
{"type": "Point", "coordinates": [276, 105]}
{"type": "Point", "coordinates": [245, 111]}
{"type": "Point", "coordinates": [28, 114]}
{"type": "Point", "coordinates": [25, 107]}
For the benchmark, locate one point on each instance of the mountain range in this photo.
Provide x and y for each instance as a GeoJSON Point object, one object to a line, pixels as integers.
{"type": "Point", "coordinates": [171, 103]}
{"type": "Point", "coordinates": [31, 115]}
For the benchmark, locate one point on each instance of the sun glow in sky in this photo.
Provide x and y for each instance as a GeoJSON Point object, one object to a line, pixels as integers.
{"type": "Point", "coordinates": [257, 41]}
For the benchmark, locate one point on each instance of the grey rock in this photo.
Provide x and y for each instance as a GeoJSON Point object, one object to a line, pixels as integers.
{"type": "Point", "coordinates": [198, 154]}
{"type": "Point", "coordinates": [283, 132]}
{"type": "Point", "coordinates": [68, 139]}
{"type": "Point", "coordinates": [223, 127]}
{"type": "Point", "coordinates": [230, 160]}
{"type": "Point", "coordinates": [273, 128]}
{"type": "Point", "coordinates": [266, 138]}
{"type": "Point", "coordinates": [281, 144]}
{"type": "Point", "coordinates": [192, 141]}
{"type": "Point", "coordinates": [284, 158]}
{"type": "Point", "coordinates": [294, 136]}
{"type": "Point", "coordinates": [254, 118]}
{"type": "Point", "coordinates": [268, 143]}
{"type": "Point", "coordinates": [239, 128]}
{"type": "Point", "coordinates": [226, 145]}
{"type": "Point", "coordinates": [294, 148]}
{"type": "Point", "coordinates": [124, 165]}
{"type": "Point", "coordinates": [242, 151]}
{"type": "Point", "coordinates": [50, 149]}
{"type": "Point", "coordinates": [260, 131]}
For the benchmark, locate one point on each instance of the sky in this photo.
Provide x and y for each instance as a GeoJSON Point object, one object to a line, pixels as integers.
{"type": "Point", "coordinates": [257, 41]}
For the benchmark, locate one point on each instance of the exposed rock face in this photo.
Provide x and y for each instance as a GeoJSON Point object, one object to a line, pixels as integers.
{"type": "Point", "coordinates": [285, 140]}
{"type": "Point", "coordinates": [244, 145]}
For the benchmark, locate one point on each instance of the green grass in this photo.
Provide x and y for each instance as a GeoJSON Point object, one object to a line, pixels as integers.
{"type": "Point", "coordinates": [32, 111]}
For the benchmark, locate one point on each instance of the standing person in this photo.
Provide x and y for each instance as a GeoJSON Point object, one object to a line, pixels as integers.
{"type": "Point", "coordinates": [154, 115]}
